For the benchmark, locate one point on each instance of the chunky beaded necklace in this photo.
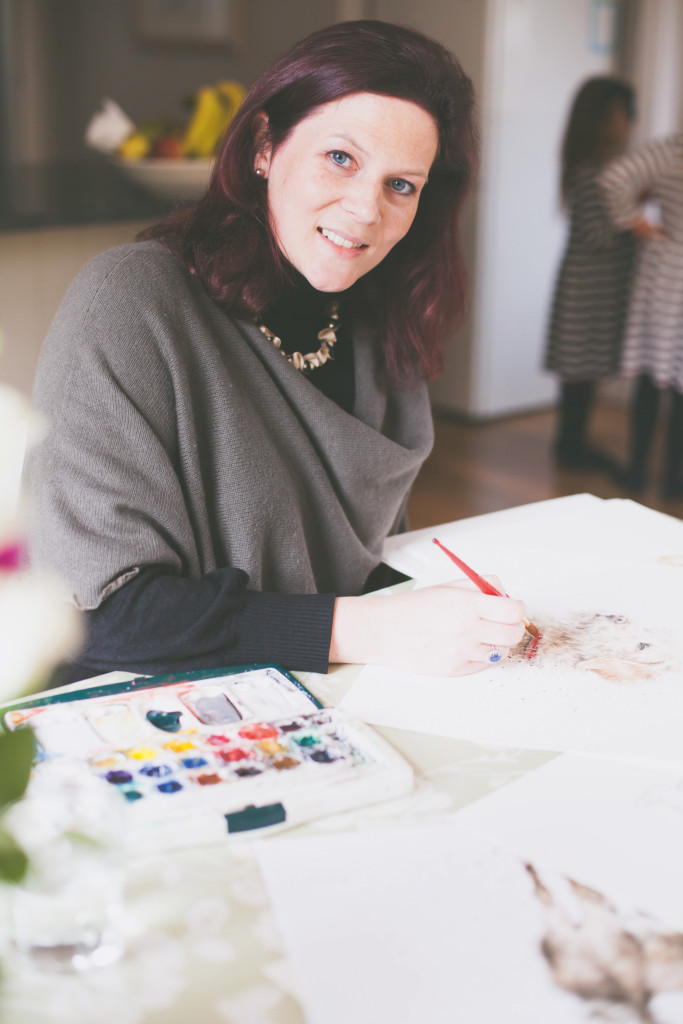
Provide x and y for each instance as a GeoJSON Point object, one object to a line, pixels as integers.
{"type": "Point", "coordinates": [327, 337]}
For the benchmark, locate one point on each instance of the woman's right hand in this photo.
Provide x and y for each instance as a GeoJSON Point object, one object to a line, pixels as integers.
{"type": "Point", "coordinates": [645, 230]}
{"type": "Point", "coordinates": [445, 630]}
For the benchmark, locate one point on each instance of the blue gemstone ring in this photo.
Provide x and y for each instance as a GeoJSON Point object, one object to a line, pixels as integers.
{"type": "Point", "coordinates": [494, 655]}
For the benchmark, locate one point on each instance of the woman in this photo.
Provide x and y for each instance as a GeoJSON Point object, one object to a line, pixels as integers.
{"type": "Point", "coordinates": [211, 502]}
{"type": "Point", "coordinates": [653, 347]}
{"type": "Point", "coordinates": [591, 294]}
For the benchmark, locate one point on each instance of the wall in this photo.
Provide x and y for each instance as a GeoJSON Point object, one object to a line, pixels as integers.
{"type": "Point", "coordinates": [652, 61]}
{"type": "Point", "coordinates": [24, 113]}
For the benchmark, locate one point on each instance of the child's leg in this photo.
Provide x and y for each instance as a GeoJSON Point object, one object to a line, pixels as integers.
{"type": "Point", "coordinates": [643, 420]}
{"type": "Point", "coordinates": [572, 449]}
{"type": "Point", "coordinates": [672, 478]}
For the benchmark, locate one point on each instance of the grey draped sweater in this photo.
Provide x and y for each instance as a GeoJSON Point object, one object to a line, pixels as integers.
{"type": "Point", "coordinates": [180, 437]}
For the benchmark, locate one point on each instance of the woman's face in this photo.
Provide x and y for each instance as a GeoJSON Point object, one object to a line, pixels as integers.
{"type": "Point", "coordinates": [618, 128]}
{"type": "Point", "coordinates": [343, 188]}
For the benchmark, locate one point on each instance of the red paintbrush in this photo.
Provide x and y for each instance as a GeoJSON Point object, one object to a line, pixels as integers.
{"type": "Point", "coordinates": [488, 588]}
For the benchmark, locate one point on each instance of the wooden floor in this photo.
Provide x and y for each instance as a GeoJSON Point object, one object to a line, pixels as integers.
{"type": "Point", "coordinates": [477, 468]}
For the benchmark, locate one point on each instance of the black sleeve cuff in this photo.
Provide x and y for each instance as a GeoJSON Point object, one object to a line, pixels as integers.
{"type": "Point", "coordinates": [292, 630]}
{"type": "Point", "coordinates": [159, 622]}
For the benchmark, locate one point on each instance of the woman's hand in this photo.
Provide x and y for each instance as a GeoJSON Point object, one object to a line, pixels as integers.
{"type": "Point", "coordinates": [446, 630]}
{"type": "Point", "coordinates": [645, 230]}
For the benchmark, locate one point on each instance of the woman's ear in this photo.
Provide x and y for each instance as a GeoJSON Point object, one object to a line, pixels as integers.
{"type": "Point", "coordinates": [262, 145]}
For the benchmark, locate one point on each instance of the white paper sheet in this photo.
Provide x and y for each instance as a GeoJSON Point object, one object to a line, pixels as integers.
{"type": "Point", "coordinates": [581, 525]}
{"type": "Point", "coordinates": [410, 926]}
{"type": "Point", "coordinates": [437, 925]}
{"type": "Point", "coordinates": [632, 612]}
{"type": "Point", "coordinates": [613, 826]}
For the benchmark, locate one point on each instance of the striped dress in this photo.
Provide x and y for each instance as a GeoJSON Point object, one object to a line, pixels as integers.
{"type": "Point", "coordinates": [654, 334]}
{"type": "Point", "coordinates": [591, 294]}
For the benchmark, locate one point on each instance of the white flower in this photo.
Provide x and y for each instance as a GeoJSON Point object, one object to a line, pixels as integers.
{"type": "Point", "coordinates": [19, 427]}
{"type": "Point", "coordinates": [38, 628]}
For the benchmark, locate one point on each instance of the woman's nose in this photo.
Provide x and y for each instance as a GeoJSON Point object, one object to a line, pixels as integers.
{"type": "Point", "coordinates": [362, 199]}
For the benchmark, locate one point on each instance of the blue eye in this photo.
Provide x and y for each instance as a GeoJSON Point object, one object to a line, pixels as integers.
{"type": "Point", "coordinates": [403, 187]}
{"type": "Point", "coordinates": [338, 156]}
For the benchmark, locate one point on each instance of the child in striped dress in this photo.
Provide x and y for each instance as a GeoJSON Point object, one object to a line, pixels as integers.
{"type": "Point", "coordinates": [653, 347]}
{"type": "Point", "coordinates": [591, 293]}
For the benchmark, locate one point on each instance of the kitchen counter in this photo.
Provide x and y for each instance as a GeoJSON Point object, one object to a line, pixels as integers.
{"type": "Point", "coordinates": [89, 191]}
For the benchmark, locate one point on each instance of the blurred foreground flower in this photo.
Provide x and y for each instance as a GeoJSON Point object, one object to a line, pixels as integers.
{"type": "Point", "coordinates": [19, 427]}
{"type": "Point", "coordinates": [38, 628]}
{"type": "Point", "coordinates": [38, 625]}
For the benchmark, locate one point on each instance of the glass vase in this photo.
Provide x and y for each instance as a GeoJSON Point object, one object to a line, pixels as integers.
{"type": "Point", "coordinates": [67, 912]}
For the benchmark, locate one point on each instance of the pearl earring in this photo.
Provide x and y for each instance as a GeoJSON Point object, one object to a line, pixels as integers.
{"type": "Point", "coordinates": [259, 172]}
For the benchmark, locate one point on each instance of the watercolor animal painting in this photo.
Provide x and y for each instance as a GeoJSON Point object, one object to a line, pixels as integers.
{"type": "Point", "coordinates": [625, 964]}
{"type": "Point", "coordinates": [610, 645]}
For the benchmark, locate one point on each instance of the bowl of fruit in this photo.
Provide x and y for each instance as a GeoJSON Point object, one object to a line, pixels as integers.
{"type": "Point", "coordinates": [178, 178]}
{"type": "Point", "coordinates": [168, 158]}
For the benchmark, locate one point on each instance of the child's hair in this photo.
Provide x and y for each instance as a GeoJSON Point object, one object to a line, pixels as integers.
{"type": "Point", "coordinates": [585, 137]}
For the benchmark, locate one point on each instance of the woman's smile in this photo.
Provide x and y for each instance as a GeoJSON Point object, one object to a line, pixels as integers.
{"type": "Point", "coordinates": [344, 186]}
{"type": "Point", "coordinates": [340, 241]}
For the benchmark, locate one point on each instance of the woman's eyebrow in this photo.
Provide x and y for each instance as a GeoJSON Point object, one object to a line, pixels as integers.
{"type": "Point", "coordinates": [341, 137]}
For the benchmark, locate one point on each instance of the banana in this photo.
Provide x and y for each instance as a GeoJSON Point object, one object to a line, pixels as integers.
{"type": "Point", "coordinates": [232, 94]}
{"type": "Point", "coordinates": [215, 106]}
{"type": "Point", "coordinates": [202, 131]}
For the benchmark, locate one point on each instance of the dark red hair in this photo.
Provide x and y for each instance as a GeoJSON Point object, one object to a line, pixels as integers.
{"type": "Point", "coordinates": [226, 238]}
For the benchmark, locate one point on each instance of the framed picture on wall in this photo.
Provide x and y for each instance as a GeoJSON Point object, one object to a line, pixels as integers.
{"type": "Point", "coordinates": [192, 23]}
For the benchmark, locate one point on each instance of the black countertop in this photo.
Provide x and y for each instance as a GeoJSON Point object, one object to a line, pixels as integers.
{"type": "Point", "coordinates": [68, 194]}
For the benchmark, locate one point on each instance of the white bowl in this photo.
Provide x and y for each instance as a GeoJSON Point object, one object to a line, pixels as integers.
{"type": "Point", "coordinates": [170, 178]}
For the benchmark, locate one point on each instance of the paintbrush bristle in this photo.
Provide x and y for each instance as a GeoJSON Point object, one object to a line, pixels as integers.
{"type": "Point", "coordinates": [530, 628]}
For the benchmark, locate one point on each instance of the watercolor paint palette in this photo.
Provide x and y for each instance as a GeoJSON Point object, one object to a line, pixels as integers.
{"type": "Point", "coordinates": [204, 754]}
